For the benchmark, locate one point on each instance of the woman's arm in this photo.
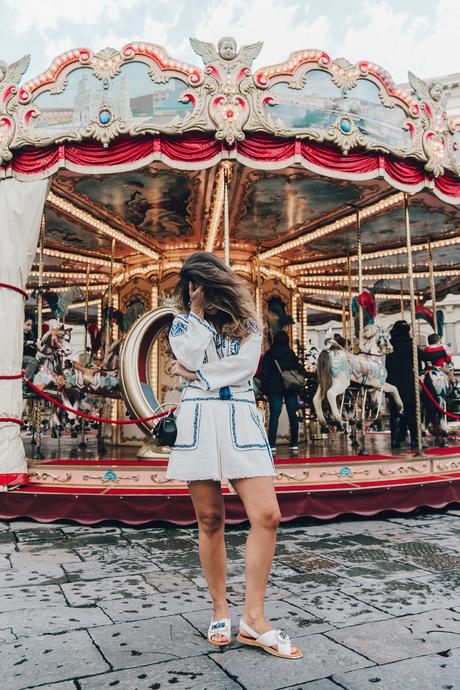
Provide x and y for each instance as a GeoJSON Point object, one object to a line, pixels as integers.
{"type": "Point", "coordinates": [189, 337]}
{"type": "Point", "coordinates": [233, 369]}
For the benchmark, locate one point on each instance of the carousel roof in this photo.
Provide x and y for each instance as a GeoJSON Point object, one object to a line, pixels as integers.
{"type": "Point", "coordinates": [304, 144]}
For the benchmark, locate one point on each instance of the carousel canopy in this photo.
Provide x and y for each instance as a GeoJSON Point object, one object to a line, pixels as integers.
{"type": "Point", "coordinates": [304, 145]}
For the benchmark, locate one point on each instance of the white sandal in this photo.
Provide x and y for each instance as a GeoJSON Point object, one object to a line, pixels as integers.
{"type": "Point", "coordinates": [221, 627]}
{"type": "Point", "coordinates": [273, 641]}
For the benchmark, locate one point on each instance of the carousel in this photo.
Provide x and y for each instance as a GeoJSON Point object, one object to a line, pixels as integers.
{"type": "Point", "coordinates": [333, 193]}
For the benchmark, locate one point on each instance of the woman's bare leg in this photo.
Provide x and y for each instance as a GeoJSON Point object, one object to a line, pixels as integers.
{"type": "Point", "coordinates": [209, 508]}
{"type": "Point", "coordinates": [261, 505]}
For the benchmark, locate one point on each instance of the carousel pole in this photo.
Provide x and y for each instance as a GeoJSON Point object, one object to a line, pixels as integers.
{"type": "Point", "coordinates": [401, 300]}
{"type": "Point", "coordinates": [108, 332]}
{"type": "Point", "coordinates": [360, 273]}
{"type": "Point", "coordinates": [226, 215]}
{"type": "Point", "coordinates": [82, 444]}
{"type": "Point", "coordinates": [344, 318]}
{"type": "Point", "coordinates": [38, 403]}
{"type": "Point", "coordinates": [415, 362]}
{"type": "Point", "coordinates": [350, 298]}
{"type": "Point", "coordinates": [432, 286]}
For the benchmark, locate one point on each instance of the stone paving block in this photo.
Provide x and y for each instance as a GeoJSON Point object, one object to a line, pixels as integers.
{"type": "Point", "coordinates": [295, 621]}
{"type": "Point", "coordinates": [170, 581]}
{"type": "Point", "coordinates": [39, 597]}
{"type": "Point", "coordinates": [76, 531]}
{"type": "Point", "coordinates": [305, 583]}
{"type": "Point", "coordinates": [197, 673]}
{"type": "Point", "coordinates": [6, 634]}
{"type": "Point", "coordinates": [307, 563]}
{"type": "Point", "coordinates": [30, 557]}
{"type": "Point", "coordinates": [175, 560]}
{"type": "Point", "coordinates": [110, 554]}
{"type": "Point", "coordinates": [339, 609]}
{"type": "Point", "coordinates": [359, 555]}
{"type": "Point", "coordinates": [65, 685]}
{"type": "Point", "coordinates": [96, 570]}
{"type": "Point", "coordinates": [402, 597]}
{"type": "Point", "coordinates": [256, 670]}
{"type": "Point", "coordinates": [84, 593]}
{"type": "Point", "coordinates": [16, 525]}
{"type": "Point", "coordinates": [7, 538]}
{"type": "Point", "coordinates": [425, 673]}
{"type": "Point", "coordinates": [5, 563]}
{"type": "Point", "coordinates": [43, 574]}
{"type": "Point", "coordinates": [27, 536]}
{"type": "Point", "coordinates": [374, 572]}
{"type": "Point", "coordinates": [236, 593]}
{"type": "Point", "coordinates": [4, 526]}
{"type": "Point", "coordinates": [53, 619]}
{"type": "Point", "coordinates": [156, 605]}
{"type": "Point", "coordinates": [49, 658]}
{"type": "Point", "coordinates": [324, 684]}
{"type": "Point", "coordinates": [146, 642]}
{"type": "Point", "coordinates": [403, 638]}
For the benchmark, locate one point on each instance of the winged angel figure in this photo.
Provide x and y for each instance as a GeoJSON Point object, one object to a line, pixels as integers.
{"type": "Point", "coordinates": [226, 69]}
{"type": "Point", "coordinates": [10, 76]}
{"type": "Point", "coordinates": [435, 136]}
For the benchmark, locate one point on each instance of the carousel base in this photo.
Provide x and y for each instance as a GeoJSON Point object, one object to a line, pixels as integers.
{"type": "Point", "coordinates": [321, 482]}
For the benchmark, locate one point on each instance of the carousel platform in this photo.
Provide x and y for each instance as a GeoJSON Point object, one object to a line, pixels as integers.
{"type": "Point", "coordinates": [322, 481]}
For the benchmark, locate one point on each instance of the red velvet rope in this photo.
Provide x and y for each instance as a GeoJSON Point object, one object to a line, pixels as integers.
{"type": "Point", "coordinates": [92, 417]}
{"type": "Point", "coordinates": [16, 289]}
{"type": "Point", "coordinates": [436, 404]}
{"type": "Point", "coordinates": [11, 377]}
{"type": "Point", "coordinates": [14, 420]}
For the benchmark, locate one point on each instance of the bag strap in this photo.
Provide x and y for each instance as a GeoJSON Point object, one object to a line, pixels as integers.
{"type": "Point", "coordinates": [278, 366]}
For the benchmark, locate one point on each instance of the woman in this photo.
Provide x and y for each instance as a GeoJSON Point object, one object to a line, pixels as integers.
{"type": "Point", "coordinates": [280, 357]}
{"type": "Point", "coordinates": [217, 341]}
{"type": "Point", "coordinates": [400, 373]}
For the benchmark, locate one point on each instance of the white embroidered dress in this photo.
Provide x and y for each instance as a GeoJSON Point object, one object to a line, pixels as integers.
{"type": "Point", "coordinates": [220, 434]}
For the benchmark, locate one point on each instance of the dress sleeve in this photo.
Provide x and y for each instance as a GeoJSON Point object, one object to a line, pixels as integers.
{"type": "Point", "coordinates": [231, 370]}
{"type": "Point", "coordinates": [189, 337]}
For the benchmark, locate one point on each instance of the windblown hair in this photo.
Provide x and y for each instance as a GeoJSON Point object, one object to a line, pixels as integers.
{"type": "Point", "coordinates": [224, 290]}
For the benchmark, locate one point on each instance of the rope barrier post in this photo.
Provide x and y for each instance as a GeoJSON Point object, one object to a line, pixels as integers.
{"type": "Point", "coordinates": [432, 286]}
{"type": "Point", "coordinates": [415, 362]}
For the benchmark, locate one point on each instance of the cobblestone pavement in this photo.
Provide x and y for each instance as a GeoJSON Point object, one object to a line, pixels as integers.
{"type": "Point", "coordinates": [374, 604]}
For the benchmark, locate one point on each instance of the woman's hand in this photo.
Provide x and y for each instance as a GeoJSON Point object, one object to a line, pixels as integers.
{"type": "Point", "coordinates": [196, 300]}
{"type": "Point", "coordinates": [178, 369]}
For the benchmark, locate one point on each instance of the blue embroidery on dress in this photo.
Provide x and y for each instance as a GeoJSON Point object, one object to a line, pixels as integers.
{"type": "Point", "coordinates": [253, 327]}
{"type": "Point", "coordinates": [207, 325]}
{"type": "Point", "coordinates": [234, 346]}
{"type": "Point", "coordinates": [179, 326]}
{"type": "Point", "coordinates": [205, 359]}
{"type": "Point", "coordinates": [203, 379]}
{"type": "Point", "coordinates": [202, 398]}
{"type": "Point", "coordinates": [225, 393]}
{"type": "Point", "coordinates": [196, 424]}
{"type": "Point", "coordinates": [245, 446]}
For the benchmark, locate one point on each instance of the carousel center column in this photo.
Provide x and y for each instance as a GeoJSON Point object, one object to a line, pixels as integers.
{"type": "Point", "coordinates": [21, 208]}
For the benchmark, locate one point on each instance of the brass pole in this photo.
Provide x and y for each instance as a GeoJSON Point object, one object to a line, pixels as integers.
{"type": "Point", "coordinates": [108, 325]}
{"type": "Point", "coordinates": [40, 279]}
{"type": "Point", "coordinates": [226, 218]}
{"type": "Point", "coordinates": [432, 285]}
{"type": "Point", "coordinates": [86, 315]}
{"type": "Point", "coordinates": [401, 299]}
{"type": "Point", "coordinates": [360, 273]}
{"type": "Point", "coordinates": [350, 299]}
{"type": "Point", "coordinates": [415, 362]}
{"type": "Point", "coordinates": [344, 318]}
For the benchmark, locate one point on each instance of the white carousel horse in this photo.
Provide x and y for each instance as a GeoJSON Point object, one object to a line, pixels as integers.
{"type": "Point", "coordinates": [438, 383]}
{"type": "Point", "coordinates": [337, 368]}
{"type": "Point", "coordinates": [51, 375]}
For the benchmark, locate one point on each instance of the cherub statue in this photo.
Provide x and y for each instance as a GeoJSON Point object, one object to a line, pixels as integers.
{"type": "Point", "coordinates": [226, 52]}
{"type": "Point", "coordinates": [436, 130]}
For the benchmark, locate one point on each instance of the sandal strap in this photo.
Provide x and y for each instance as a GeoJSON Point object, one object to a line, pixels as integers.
{"type": "Point", "coordinates": [272, 638]}
{"type": "Point", "coordinates": [220, 627]}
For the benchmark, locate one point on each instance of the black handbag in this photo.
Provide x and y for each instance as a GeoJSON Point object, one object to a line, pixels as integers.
{"type": "Point", "coordinates": [164, 433]}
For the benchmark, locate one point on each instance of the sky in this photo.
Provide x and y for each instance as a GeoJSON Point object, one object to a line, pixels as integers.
{"type": "Point", "coordinates": [400, 35]}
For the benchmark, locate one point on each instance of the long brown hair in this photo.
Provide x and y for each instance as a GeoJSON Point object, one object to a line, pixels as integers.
{"type": "Point", "coordinates": [223, 289]}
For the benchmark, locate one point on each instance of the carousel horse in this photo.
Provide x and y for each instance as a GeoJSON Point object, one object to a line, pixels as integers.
{"type": "Point", "coordinates": [438, 383]}
{"type": "Point", "coordinates": [337, 368]}
{"type": "Point", "coordinates": [99, 379]}
{"type": "Point", "coordinates": [51, 376]}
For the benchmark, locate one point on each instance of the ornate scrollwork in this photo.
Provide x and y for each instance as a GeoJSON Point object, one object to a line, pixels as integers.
{"type": "Point", "coordinates": [402, 469]}
{"type": "Point", "coordinates": [292, 477]}
{"type": "Point", "coordinates": [44, 476]}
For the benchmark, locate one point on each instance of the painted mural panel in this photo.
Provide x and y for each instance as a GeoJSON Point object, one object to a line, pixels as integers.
{"type": "Point", "coordinates": [131, 96]}
{"type": "Point", "coordinates": [320, 103]}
